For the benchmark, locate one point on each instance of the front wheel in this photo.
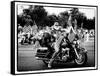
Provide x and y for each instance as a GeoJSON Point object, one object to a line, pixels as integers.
{"type": "Point", "coordinates": [82, 59]}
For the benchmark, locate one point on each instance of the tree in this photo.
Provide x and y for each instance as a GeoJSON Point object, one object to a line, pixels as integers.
{"type": "Point", "coordinates": [38, 15]}
{"type": "Point", "coordinates": [24, 20]}
{"type": "Point", "coordinates": [50, 19]}
{"type": "Point", "coordinates": [89, 23]}
{"type": "Point", "coordinates": [79, 16]}
{"type": "Point", "coordinates": [63, 18]}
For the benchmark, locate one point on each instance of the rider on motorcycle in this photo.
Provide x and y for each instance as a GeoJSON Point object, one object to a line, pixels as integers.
{"type": "Point", "coordinates": [59, 38]}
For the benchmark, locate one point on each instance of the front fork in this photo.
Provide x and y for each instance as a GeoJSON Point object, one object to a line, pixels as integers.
{"type": "Point", "coordinates": [77, 55]}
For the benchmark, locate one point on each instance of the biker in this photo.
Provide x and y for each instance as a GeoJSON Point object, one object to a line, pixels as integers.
{"type": "Point", "coordinates": [59, 38]}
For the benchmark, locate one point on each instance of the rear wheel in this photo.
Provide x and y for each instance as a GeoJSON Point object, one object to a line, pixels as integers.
{"type": "Point", "coordinates": [82, 59]}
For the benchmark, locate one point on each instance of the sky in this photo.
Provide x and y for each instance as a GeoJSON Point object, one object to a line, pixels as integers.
{"type": "Point", "coordinates": [90, 13]}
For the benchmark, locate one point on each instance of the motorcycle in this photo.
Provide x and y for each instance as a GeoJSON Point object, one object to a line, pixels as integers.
{"type": "Point", "coordinates": [69, 51]}
{"type": "Point", "coordinates": [25, 39]}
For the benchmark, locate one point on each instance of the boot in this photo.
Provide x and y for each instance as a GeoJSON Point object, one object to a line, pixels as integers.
{"type": "Point", "coordinates": [50, 63]}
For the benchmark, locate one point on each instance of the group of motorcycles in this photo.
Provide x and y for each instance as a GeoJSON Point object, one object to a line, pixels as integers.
{"type": "Point", "coordinates": [69, 51]}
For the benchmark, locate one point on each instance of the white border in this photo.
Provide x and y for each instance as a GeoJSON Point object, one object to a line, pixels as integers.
{"type": "Point", "coordinates": [54, 70]}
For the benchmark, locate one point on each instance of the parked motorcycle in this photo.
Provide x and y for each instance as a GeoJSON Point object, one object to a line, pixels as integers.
{"type": "Point", "coordinates": [69, 51]}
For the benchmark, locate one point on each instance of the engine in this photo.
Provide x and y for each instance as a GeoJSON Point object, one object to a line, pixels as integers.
{"type": "Point", "coordinates": [65, 50]}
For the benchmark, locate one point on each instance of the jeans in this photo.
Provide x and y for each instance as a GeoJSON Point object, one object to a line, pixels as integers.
{"type": "Point", "coordinates": [56, 47]}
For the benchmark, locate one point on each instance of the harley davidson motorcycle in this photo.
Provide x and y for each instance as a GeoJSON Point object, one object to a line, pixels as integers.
{"type": "Point", "coordinates": [69, 51]}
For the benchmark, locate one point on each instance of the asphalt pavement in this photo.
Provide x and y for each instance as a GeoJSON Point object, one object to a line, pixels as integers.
{"type": "Point", "coordinates": [28, 62]}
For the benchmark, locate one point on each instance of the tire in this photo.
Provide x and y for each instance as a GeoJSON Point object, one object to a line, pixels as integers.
{"type": "Point", "coordinates": [83, 59]}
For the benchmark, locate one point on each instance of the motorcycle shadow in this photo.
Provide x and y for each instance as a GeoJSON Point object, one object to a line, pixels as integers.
{"type": "Point", "coordinates": [59, 65]}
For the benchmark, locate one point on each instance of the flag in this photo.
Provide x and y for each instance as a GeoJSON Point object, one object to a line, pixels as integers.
{"type": "Point", "coordinates": [27, 29]}
{"type": "Point", "coordinates": [34, 29]}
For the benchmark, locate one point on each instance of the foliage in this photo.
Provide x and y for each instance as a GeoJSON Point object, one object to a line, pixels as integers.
{"type": "Point", "coordinates": [39, 16]}
{"type": "Point", "coordinates": [63, 18]}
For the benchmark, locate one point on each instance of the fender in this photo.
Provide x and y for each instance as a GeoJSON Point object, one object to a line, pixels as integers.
{"type": "Point", "coordinates": [83, 50]}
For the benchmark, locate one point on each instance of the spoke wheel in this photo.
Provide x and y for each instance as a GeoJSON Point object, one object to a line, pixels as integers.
{"type": "Point", "coordinates": [82, 59]}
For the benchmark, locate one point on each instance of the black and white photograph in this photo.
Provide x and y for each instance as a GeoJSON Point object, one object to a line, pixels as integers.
{"type": "Point", "coordinates": [50, 37]}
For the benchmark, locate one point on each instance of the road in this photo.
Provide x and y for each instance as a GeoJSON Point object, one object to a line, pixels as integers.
{"type": "Point", "coordinates": [28, 62]}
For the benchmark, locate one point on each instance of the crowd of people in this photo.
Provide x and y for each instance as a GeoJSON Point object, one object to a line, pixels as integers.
{"type": "Point", "coordinates": [56, 29]}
